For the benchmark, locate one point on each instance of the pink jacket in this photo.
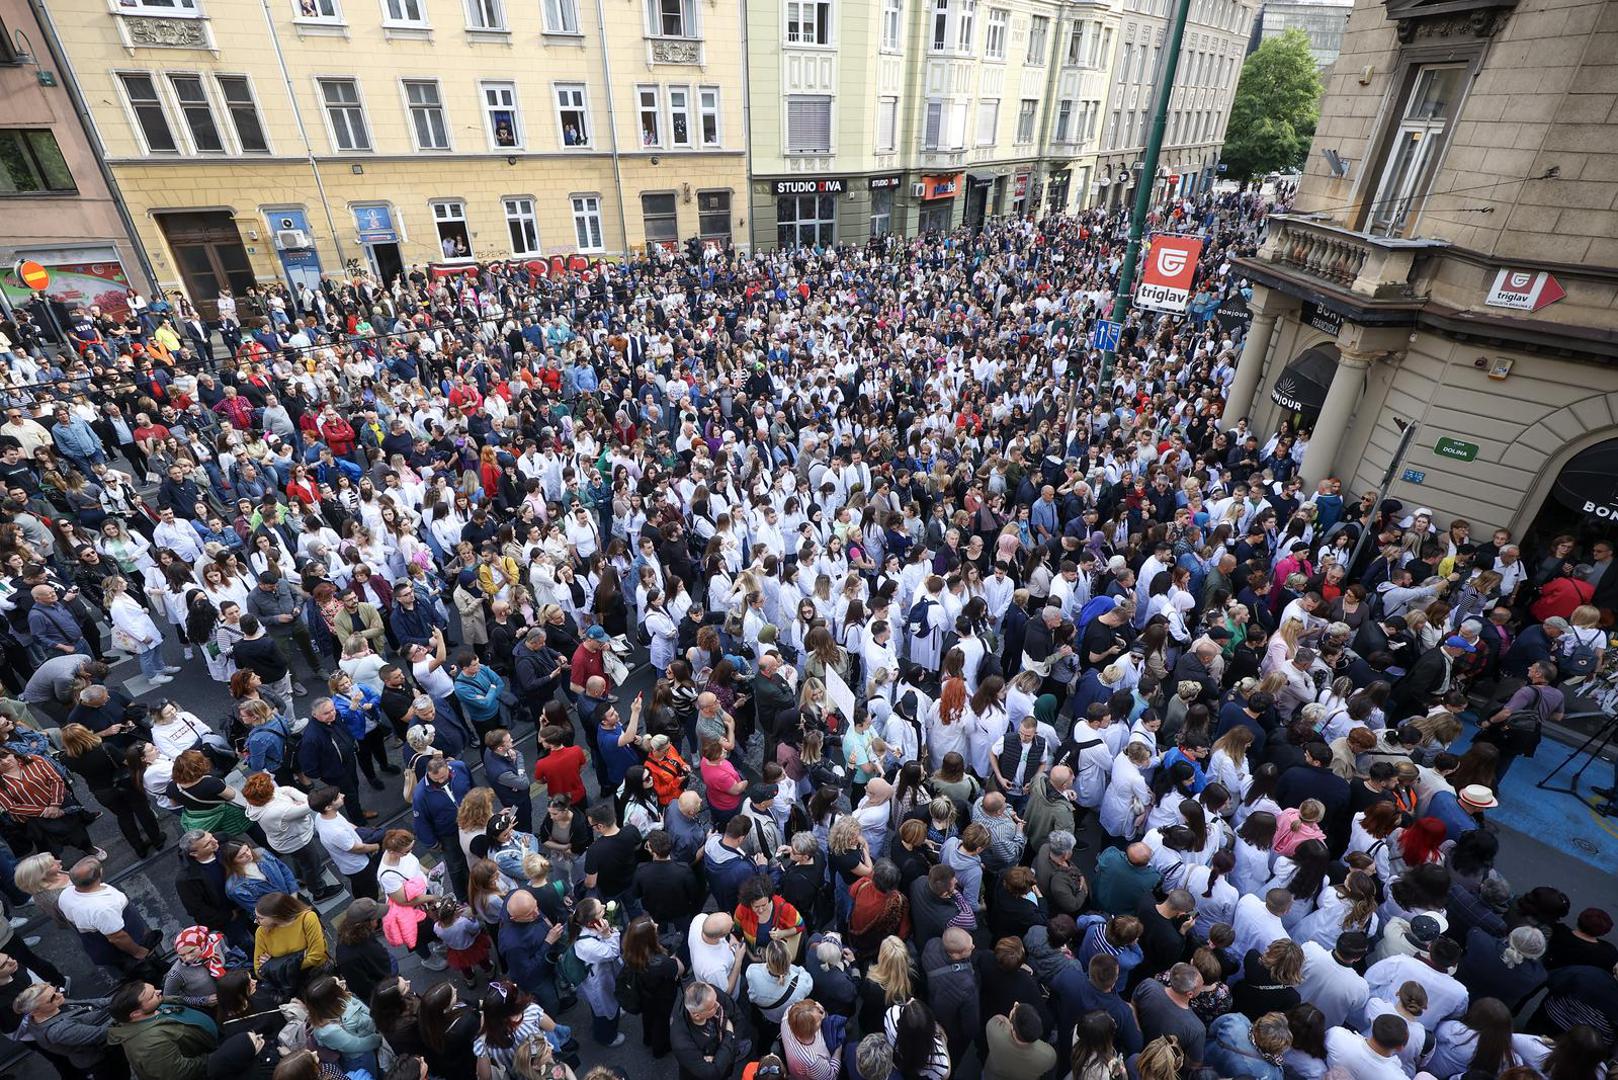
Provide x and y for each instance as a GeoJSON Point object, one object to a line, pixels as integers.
{"type": "Point", "coordinates": [1288, 837]}
{"type": "Point", "coordinates": [399, 924]}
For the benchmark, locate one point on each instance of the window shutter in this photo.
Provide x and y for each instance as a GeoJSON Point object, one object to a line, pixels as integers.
{"type": "Point", "coordinates": [809, 124]}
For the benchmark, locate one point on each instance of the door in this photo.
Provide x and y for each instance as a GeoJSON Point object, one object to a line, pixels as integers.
{"type": "Point", "coordinates": [385, 261]}
{"type": "Point", "coordinates": [977, 201]}
{"type": "Point", "coordinates": [209, 253]}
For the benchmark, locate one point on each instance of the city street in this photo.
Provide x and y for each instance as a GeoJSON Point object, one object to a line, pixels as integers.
{"type": "Point", "coordinates": [1545, 837]}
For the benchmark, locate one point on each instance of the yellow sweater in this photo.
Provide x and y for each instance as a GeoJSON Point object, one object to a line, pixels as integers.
{"type": "Point", "coordinates": [304, 933]}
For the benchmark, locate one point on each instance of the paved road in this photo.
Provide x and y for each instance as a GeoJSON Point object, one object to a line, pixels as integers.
{"type": "Point", "coordinates": [1546, 838]}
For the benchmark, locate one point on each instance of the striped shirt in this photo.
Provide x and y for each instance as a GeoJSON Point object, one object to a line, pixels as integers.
{"type": "Point", "coordinates": [34, 787]}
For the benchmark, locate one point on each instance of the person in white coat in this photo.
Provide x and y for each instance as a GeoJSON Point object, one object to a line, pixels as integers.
{"type": "Point", "coordinates": [1127, 797]}
{"type": "Point", "coordinates": [665, 634]}
{"type": "Point", "coordinates": [134, 631]}
{"type": "Point", "coordinates": [924, 625]}
{"type": "Point", "coordinates": [1091, 757]}
{"type": "Point", "coordinates": [598, 945]}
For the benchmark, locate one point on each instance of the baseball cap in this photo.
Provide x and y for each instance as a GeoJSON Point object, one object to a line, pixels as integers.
{"type": "Point", "coordinates": [597, 633]}
{"type": "Point", "coordinates": [1456, 641]}
{"type": "Point", "coordinates": [362, 910]}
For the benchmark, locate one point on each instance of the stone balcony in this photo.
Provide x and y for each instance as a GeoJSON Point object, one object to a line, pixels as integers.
{"type": "Point", "coordinates": [1372, 268]}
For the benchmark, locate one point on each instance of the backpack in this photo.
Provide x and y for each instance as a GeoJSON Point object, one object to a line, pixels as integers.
{"type": "Point", "coordinates": [571, 968]}
{"type": "Point", "coordinates": [915, 622]}
{"type": "Point", "coordinates": [1583, 660]}
{"type": "Point", "coordinates": [628, 992]}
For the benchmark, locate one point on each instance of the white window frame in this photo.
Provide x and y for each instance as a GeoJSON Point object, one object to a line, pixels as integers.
{"type": "Point", "coordinates": [999, 29]}
{"type": "Point", "coordinates": [892, 25]}
{"type": "Point", "coordinates": [519, 211]}
{"type": "Point", "coordinates": [966, 30]}
{"type": "Point", "coordinates": [987, 108]}
{"type": "Point", "coordinates": [404, 19]}
{"type": "Point", "coordinates": [1405, 179]}
{"type": "Point", "coordinates": [680, 107]}
{"type": "Point", "coordinates": [939, 21]}
{"type": "Point", "coordinates": [1064, 121]}
{"type": "Point", "coordinates": [808, 22]}
{"type": "Point", "coordinates": [561, 16]}
{"type": "Point", "coordinates": [1039, 41]}
{"type": "Point", "coordinates": [658, 10]}
{"type": "Point", "coordinates": [1027, 121]}
{"type": "Point", "coordinates": [229, 109]}
{"type": "Point", "coordinates": [357, 105]}
{"type": "Point", "coordinates": [709, 106]}
{"type": "Point", "coordinates": [934, 123]}
{"type": "Point", "coordinates": [649, 105]}
{"type": "Point", "coordinates": [490, 108]}
{"type": "Point", "coordinates": [439, 208]}
{"type": "Point", "coordinates": [309, 11]}
{"type": "Point", "coordinates": [480, 12]}
{"type": "Point", "coordinates": [438, 104]}
{"type": "Point", "coordinates": [887, 125]}
{"type": "Point", "coordinates": [587, 209]}
{"type": "Point", "coordinates": [582, 108]}
{"type": "Point", "coordinates": [132, 109]}
{"type": "Point", "coordinates": [831, 123]}
{"type": "Point", "coordinates": [181, 105]}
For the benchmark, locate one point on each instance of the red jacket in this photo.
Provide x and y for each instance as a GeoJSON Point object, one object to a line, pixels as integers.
{"type": "Point", "coordinates": [339, 435]}
{"type": "Point", "coordinates": [1559, 596]}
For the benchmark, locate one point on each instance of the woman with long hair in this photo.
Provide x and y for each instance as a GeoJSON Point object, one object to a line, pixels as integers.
{"type": "Point", "coordinates": [340, 1022]}
{"type": "Point", "coordinates": [510, 1019]}
{"type": "Point", "coordinates": [654, 975]}
{"type": "Point", "coordinates": [599, 946]}
{"type": "Point", "coordinates": [289, 941]}
{"type": "Point", "coordinates": [449, 1031]}
{"type": "Point", "coordinates": [946, 721]}
{"type": "Point", "coordinates": [920, 1050]}
{"type": "Point", "coordinates": [889, 980]}
{"type": "Point", "coordinates": [106, 773]}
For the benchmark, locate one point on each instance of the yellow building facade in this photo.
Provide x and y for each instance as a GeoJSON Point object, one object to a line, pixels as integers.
{"type": "Point", "coordinates": [285, 139]}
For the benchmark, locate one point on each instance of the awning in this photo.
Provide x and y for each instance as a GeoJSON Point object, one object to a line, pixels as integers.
{"type": "Point", "coordinates": [1302, 385]}
{"type": "Point", "coordinates": [1233, 314]}
{"type": "Point", "coordinates": [1589, 482]}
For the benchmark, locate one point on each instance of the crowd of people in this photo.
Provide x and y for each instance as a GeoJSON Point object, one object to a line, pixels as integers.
{"type": "Point", "coordinates": [997, 722]}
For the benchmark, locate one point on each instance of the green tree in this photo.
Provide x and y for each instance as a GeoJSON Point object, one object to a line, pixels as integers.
{"type": "Point", "coordinates": [1277, 104]}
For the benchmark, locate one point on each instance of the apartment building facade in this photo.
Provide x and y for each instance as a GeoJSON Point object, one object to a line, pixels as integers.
{"type": "Point", "coordinates": [920, 115]}
{"type": "Point", "coordinates": [1215, 41]}
{"type": "Point", "coordinates": [58, 208]}
{"type": "Point", "coordinates": [262, 139]}
{"type": "Point", "coordinates": [1451, 268]}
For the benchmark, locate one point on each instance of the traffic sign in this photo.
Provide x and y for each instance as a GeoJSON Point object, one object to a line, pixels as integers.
{"type": "Point", "coordinates": [33, 275]}
{"type": "Point", "coordinates": [1106, 335]}
{"type": "Point", "coordinates": [1455, 448]}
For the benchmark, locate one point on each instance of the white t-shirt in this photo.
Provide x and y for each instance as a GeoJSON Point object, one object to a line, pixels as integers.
{"type": "Point", "coordinates": [437, 684]}
{"type": "Point", "coordinates": [1346, 1050]}
{"type": "Point", "coordinates": [393, 878]}
{"type": "Point", "coordinates": [100, 912]}
{"type": "Point", "coordinates": [710, 963]}
{"type": "Point", "coordinates": [339, 837]}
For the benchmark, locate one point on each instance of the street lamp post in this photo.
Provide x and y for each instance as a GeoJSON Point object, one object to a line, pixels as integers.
{"type": "Point", "coordinates": [1147, 181]}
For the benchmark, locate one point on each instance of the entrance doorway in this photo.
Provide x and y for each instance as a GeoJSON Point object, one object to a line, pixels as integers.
{"type": "Point", "coordinates": [1583, 503]}
{"type": "Point", "coordinates": [385, 261]}
{"type": "Point", "coordinates": [209, 253]}
{"type": "Point", "coordinates": [1057, 200]}
{"type": "Point", "coordinates": [936, 218]}
{"type": "Point", "coordinates": [977, 202]}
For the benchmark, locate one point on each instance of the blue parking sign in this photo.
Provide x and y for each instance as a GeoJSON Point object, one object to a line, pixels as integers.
{"type": "Point", "coordinates": [1106, 336]}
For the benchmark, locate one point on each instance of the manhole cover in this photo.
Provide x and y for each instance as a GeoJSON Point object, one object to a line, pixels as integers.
{"type": "Point", "coordinates": [1584, 845]}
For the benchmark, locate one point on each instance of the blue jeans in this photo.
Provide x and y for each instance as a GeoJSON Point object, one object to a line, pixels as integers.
{"type": "Point", "coordinates": [151, 661]}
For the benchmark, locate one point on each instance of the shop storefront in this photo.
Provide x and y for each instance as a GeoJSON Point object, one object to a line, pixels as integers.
{"type": "Point", "coordinates": [806, 211]}
{"type": "Point", "coordinates": [379, 235]}
{"type": "Point", "coordinates": [884, 190]}
{"type": "Point", "coordinates": [1019, 194]}
{"type": "Point", "coordinates": [79, 277]}
{"type": "Point", "coordinates": [938, 202]}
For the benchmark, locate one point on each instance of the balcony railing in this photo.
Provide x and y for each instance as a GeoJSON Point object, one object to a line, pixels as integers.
{"type": "Point", "coordinates": [1375, 267]}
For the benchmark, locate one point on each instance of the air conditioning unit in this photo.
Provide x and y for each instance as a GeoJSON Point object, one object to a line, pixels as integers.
{"type": "Point", "coordinates": [918, 190]}
{"type": "Point", "coordinates": [291, 239]}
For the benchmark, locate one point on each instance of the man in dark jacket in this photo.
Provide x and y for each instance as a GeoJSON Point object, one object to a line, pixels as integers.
{"type": "Point", "coordinates": [772, 696]}
{"type": "Point", "coordinates": [413, 618]}
{"type": "Point", "coordinates": [528, 945]}
{"type": "Point", "coordinates": [1315, 780]}
{"type": "Point", "coordinates": [536, 671]}
{"type": "Point", "coordinates": [936, 904]}
{"type": "Point", "coordinates": [1428, 679]}
{"type": "Point", "coordinates": [200, 886]}
{"type": "Point", "coordinates": [952, 988]}
{"type": "Point", "coordinates": [326, 755]}
{"type": "Point", "coordinates": [1078, 991]}
{"type": "Point", "coordinates": [710, 1036]}
{"type": "Point", "coordinates": [436, 802]}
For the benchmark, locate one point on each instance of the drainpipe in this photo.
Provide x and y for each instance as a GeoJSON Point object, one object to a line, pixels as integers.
{"type": "Point", "coordinates": [303, 133]}
{"type": "Point", "coordinates": [612, 127]}
{"type": "Point", "coordinates": [747, 129]}
{"type": "Point", "coordinates": [70, 83]}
